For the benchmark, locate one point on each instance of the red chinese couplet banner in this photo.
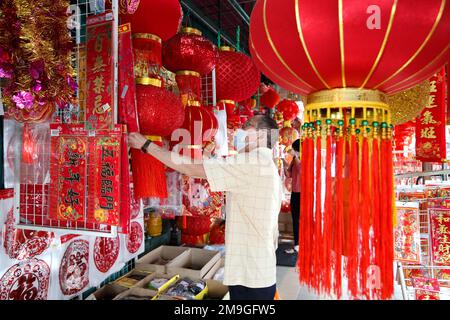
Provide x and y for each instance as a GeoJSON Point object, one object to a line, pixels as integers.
{"type": "Point", "coordinates": [430, 126]}
{"type": "Point", "coordinates": [85, 171]}
{"type": "Point", "coordinates": [99, 72]}
{"type": "Point", "coordinates": [407, 235]}
{"type": "Point", "coordinates": [68, 165]}
{"type": "Point", "coordinates": [127, 87]}
{"type": "Point", "coordinates": [104, 176]}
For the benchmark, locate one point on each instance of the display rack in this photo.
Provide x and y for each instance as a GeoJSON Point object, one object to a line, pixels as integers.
{"type": "Point", "coordinates": [31, 196]}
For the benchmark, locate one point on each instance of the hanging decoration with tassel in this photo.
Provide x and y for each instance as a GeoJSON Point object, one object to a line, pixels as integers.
{"type": "Point", "coordinates": [351, 233]}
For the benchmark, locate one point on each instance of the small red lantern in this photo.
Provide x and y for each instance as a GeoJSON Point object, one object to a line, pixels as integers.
{"type": "Point", "coordinates": [236, 75]}
{"type": "Point", "coordinates": [289, 109]}
{"type": "Point", "coordinates": [188, 50]}
{"type": "Point", "coordinates": [197, 226]}
{"type": "Point", "coordinates": [270, 98]}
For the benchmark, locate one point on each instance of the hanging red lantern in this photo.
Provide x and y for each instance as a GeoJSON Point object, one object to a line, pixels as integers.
{"type": "Point", "coordinates": [237, 77]}
{"type": "Point", "coordinates": [160, 111]}
{"type": "Point", "coordinates": [196, 225]}
{"type": "Point", "coordinates": [270, 98]}
{"type": "Point", "coordinates": [158, 17]}
{"type": "Point", "coordinates": [346, 69]}
{"type": "Point", "coordinates": [188, 50]}
{"type": "Point", "coordinates": [289, 109]}
{"type": "Point", "coordinates": [152, 21]}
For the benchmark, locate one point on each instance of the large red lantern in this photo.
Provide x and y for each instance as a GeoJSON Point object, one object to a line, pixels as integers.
{"type": "Point", "coordinates": [346, 56]}
{"type": "Point", "coordinates": [338, 44]}
{"type": "Point", "coordinates": [237, 77]}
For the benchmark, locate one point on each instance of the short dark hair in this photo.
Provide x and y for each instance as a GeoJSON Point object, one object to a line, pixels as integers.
{"type": "Point", "coordinates": [263, 122]}
{"type": "Point", "coordinates": [296, 145]}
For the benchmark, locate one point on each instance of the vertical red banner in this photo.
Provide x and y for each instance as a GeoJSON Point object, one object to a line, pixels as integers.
{"type": "Point", "coordinates": [68, 165]}
{"type": "Point", "coordinates": [104, 177]}
{"type": "Point", "coordinates": [430, 126]}
{"type": "Point", "coordinates": [99, 72]}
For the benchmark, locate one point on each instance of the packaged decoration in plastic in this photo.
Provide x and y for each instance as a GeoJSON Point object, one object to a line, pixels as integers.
{"type": "Point", "coordinates": [188, 289]}
{"type": "Point", "coordinates": [199, 200]}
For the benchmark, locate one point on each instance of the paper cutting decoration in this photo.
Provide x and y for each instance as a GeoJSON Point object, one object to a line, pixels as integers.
{"type": "Point", "coordinates": [24, 244]}
{"type": "Point", "coordinates": [74, 268]}
{"type": "Point", "coordinates": [106, 252]}
{"type": "Point", "coordinates": [426, 288]}
{"type": "Point", "coordinates": [27, 280]}
{"type": "Point", "coordinates": [407, 235]}
{"type": "Point", "coordinates": [135, 237]}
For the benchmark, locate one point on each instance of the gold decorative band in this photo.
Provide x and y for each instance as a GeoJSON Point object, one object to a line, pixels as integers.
{"type": "Point", "coordinates": [193, 103]}
{"type": "Point", "coordinates": [227, 101]}
{"type": "Point", "coordinates": [188, 73]}
{"type": "Point", "coordinates": [154, 138]}
{"type": "Point", "coordinates": [147, 36]}
{"type": "Point", "coordinates": [190, 30]}
{"type": "Point", "coordinates": [347, 96]}
{"type": "Point", "coordinates": [146, 81]}
{"type": "Point", "coordinates": [226, 48]}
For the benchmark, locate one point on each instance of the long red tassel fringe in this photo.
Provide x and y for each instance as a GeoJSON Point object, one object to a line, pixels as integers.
{"type": "Point", "coordinates": [352, 245]}
{"type": "Point", "coordinates": [303, 209]}
{"type": "Point", "coordinates": [328, 219]}
{"type": "Point", "coordinates": [318, 259]}
{"type": "Point", "coordinates": [364, 255]}
{"type": "Point", "coordinates": [339, 218]}
{"type": "Point", "coordinates": [376, 209]}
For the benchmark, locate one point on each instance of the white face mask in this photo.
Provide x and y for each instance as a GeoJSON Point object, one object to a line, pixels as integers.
{"type": "Point", "coordinates": [239, 139]}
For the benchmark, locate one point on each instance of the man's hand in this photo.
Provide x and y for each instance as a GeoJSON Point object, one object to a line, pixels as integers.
{"type": "Point", "coordinates": [136, 140]}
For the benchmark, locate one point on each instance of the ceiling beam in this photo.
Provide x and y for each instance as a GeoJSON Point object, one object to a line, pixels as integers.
{"type": "Point", "coordinates": [240, 11]}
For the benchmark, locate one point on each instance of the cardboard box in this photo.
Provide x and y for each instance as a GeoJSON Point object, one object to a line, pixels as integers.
{"type": "Point", "coordinates": [138, 292]}
{"type": "Point", "coordinates": [157, 260]}
{"type": "Point", "coordinates": [195, 264]}
{"type": "Point", "coordinates": [132, 279]}
{"type": "Point", "coordinates": [211, 273]}
{"type": "Point", "coordinates": [170, 280]}
{"type": "Point", "coordinates": [216, 290]}
{"type": "Point", "coordinates": [108, 292]}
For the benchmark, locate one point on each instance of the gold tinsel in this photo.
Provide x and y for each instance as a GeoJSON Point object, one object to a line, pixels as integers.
{"type": "Point", "coordinates": [408, 104]}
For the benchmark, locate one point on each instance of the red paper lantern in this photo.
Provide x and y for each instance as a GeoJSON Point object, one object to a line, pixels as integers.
{"type": "Point", "coordinates": [157, 17]}
{"type": "Point", "coordinates": [188, 50]}
{"type": "Point", "coordinates": [270, 98]}
{"type": "Point", "coordinates": [237, 77]}
{"type": "Point", "coordinates": [332, 48]}
{"type": "Point", "coordinates": [289, 109]}
{"type": "Point", "coordinates": [160, 111]}
{"type": "Point", "coordinates": [197, 226]}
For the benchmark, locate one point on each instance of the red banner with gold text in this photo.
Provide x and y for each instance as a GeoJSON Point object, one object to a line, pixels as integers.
{"type": "Point", "coordinates": [430, 126]}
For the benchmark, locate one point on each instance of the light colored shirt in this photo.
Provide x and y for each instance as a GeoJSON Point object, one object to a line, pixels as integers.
{"type": "Point", "coordinates": [254, 194]}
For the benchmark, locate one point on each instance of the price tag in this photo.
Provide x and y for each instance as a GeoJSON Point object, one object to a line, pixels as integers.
{"type": "Point", "coordinates": [106, 107]}
{"type": "Point", "coordinates": [54, 133]}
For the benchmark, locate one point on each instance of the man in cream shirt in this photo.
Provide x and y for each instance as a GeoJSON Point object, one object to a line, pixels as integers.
{"type": "Point", "coordinates": [253, 196]}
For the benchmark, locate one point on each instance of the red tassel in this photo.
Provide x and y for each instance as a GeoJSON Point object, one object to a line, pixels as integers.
{"type": "Point", "coordinates": [310, 212]}
{"type": "Point", "coordinates": [364, 262]}
{"type": "Point", "coordinates": [352, 244]}
{"type": "Point", "coordinates": [149, 175]}
{"type": "Point", "coordinates": [328, 220]}
{"type": "Point", "coordinates": [302, 228]}
{"type": "Point", "coordinates": [376, 207]}
{"type": "Point", "coordinates": [339, 218]}
{"type": "Point", "coordinates": [318, 258]}
{"type": "Point", "coordinates": [386, 239]}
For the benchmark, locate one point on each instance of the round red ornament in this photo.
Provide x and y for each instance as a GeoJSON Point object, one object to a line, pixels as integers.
{"type": "Point", "coordinates": [289, 109]}
{"type": "Point", "coordinates": [338, 44]}
{"type": "Point", "coordinates": [106, 252]}
{"type": "Point", "coordinates": [158, 17]}
{"type": "Point", "coordinates": [74, 268]}
{"type": "Point", "coordinates": [135, 237]}
{"type": "Point", "coordinates": [237, 77]}
{"type": "Point", "coordinates": [288, 135]}
{"type": "Point", "coordinates": [270, 98]}
{"type": "Point", "coordinates": [27, 280]}
{"type": "Point", "coordinates": [189, 50]}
